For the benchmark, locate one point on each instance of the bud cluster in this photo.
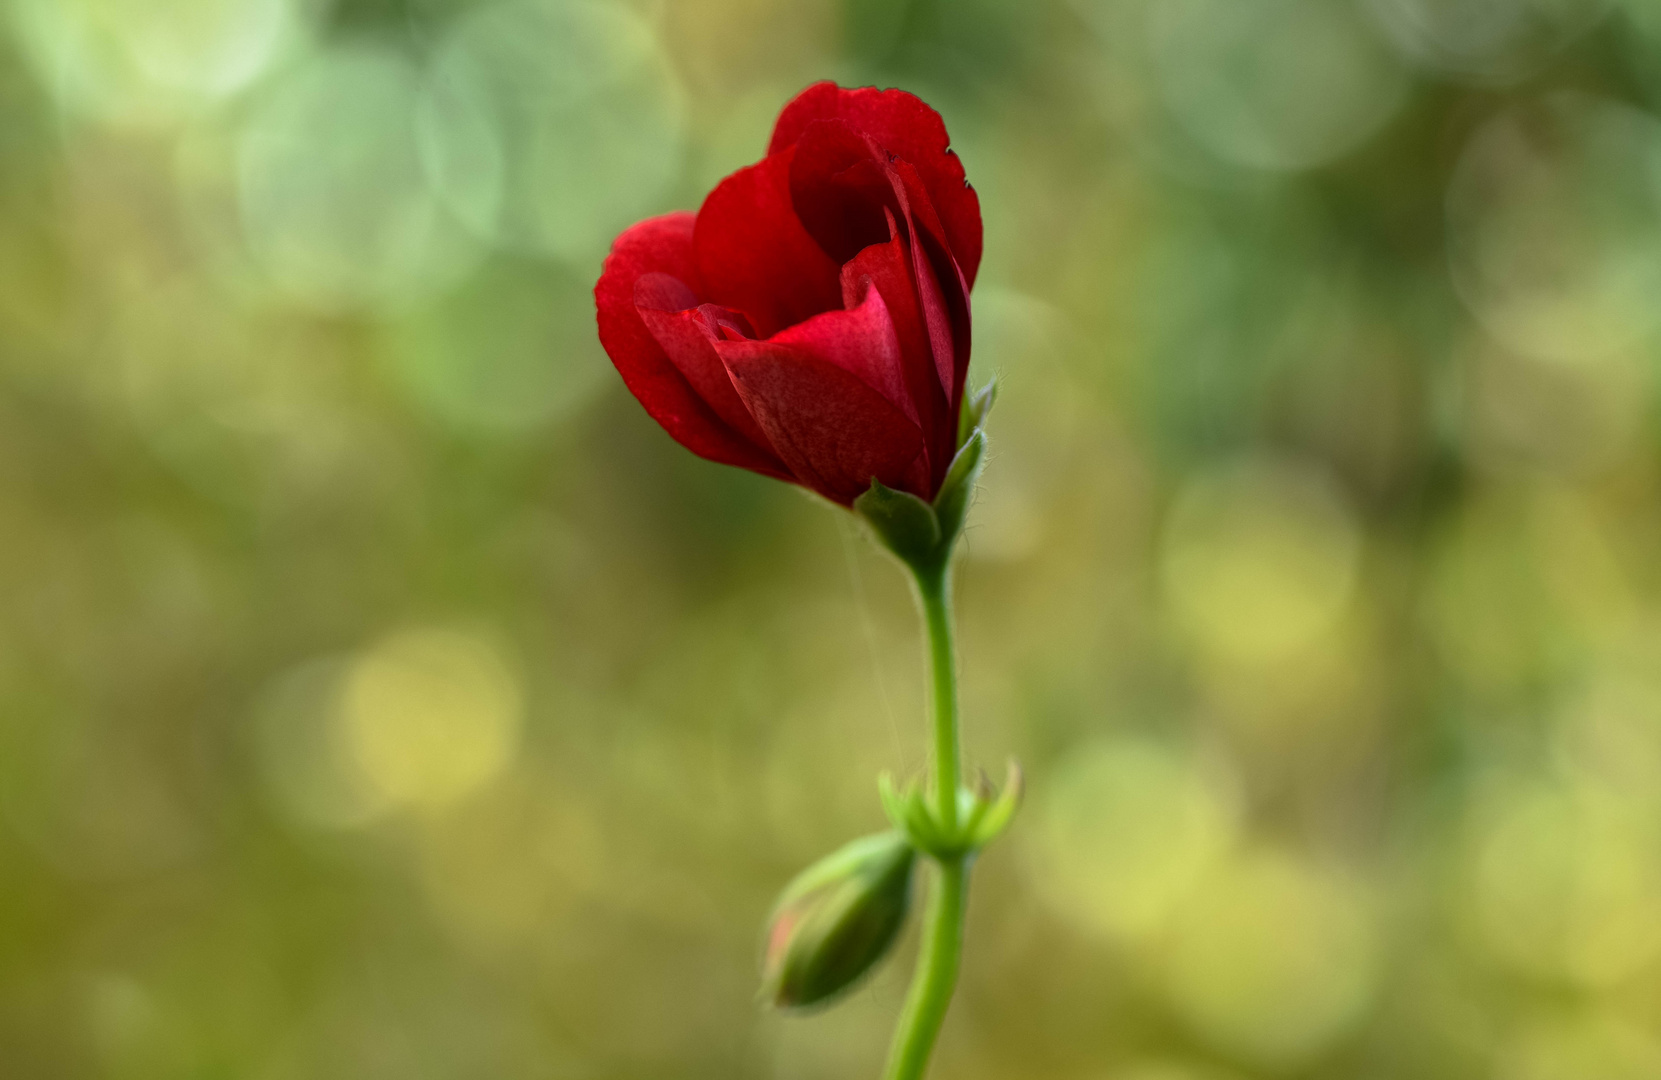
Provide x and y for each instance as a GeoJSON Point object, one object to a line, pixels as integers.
{"type": "Point", "coordinates": [838, 918]}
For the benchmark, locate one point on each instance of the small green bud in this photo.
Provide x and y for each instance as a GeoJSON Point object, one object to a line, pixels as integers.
{"type": "Point", "coordinates": [836, 920]}
{"type": "Point", "coordinates": [951, 505]}
{"type": "Point", "coordinates": [975, 408]}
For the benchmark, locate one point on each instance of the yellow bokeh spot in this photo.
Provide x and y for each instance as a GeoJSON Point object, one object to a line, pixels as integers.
{"type": "Point", "coordinates": [430, 716]}
{"type": "Point", "coordinates": [1126, 830]}
{"type": "Point", "coordinates": [1525, 578]}
{"type": "Point", "coordinates": [1590, 1047]}
{"type": "Point", "coordinates": [1611, 728]}
{"type": "Point", "coordinates": [1273, 959]}
{"type": "Point", "coordinates": [1259, 560]}
{"type": "Point", "coordinates": [1564, 882]}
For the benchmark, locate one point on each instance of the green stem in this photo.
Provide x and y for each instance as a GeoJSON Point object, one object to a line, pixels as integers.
{"type": "Point", "coordinates": [937, 961]}
{"type": "Point", "coordinates": [934, 593]}
{"type": "Point", "coordinates": [932, 985]}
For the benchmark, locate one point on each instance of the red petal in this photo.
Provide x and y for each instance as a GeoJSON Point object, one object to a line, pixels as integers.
{"type": "Point", "coordinates": [833, 431]}
{"type": "Point", "coordinates": [941, 286]}
{"type": "Point", "coordinates": [847, 194]}
{"type": "Point", "coordinates": [753, 254]}
{"type": "Point", "coordinates": [840, 185]}
{"type": "Point", "coordinates": [663, 245]}
{"type": "Point", "coordinates": [860, 341]}
{"type": "Point", "coordinates": [887, 268]}
{"type": "Point", "coordinates": [905, 126]}
{"type": "Point", "coordinates": [685, 332]}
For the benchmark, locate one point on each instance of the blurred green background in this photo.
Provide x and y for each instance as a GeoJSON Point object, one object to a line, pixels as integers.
{"type": "Point", "coordinates": [384, 695]}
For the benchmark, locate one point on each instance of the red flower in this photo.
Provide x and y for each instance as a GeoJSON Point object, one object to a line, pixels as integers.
{"type": "Point", "coordinates": [811, 321]}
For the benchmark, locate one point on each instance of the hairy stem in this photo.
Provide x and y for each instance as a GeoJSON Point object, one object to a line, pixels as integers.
{"type": "Point", "coordinates": [934, 593]}
{"type": "Point", "coordinates": [937, 961]}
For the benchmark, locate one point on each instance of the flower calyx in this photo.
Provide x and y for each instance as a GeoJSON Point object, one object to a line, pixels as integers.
{"type": "Point", "coordinates": [922, 534]}
{"type": "Point", "coordinates": [973, 416]}
{"type": "Point", "coordinates": [836, 920]}
{"type": "Point", "coordinates": [983, 813]}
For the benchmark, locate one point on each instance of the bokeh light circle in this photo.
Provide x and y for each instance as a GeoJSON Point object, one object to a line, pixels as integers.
{"type": "Point", "coordinates": [1527, 415]}
{"type": "Point", "coordinates": [1610, 728]}
{"type": "Point", "coordinates": [1522, 581]}
{"type": "Point", "coordinates": [511, 349]}
{"type": "Point", "coordinates": [1259, 558]}
{"type": "Point", "coordinates": [429, 715]}
{"type": "Point", "coordinates": [1273, 958]}
{"type": "Point", "coordinates": [335, 202]}
{"type": "Point", "coordinates": [551, 126]}
{"type": "Point", "coordinates": [155, 61]}
{"type": "Point", "coordinates": [1565, 883]}
{"type": "Point", "coordinates": [1126, 829]}
{"type": "Point", "coordinates": [1592, 1044]}
{"type": "Point", "coordinates": [1554, 223]}
{"type": "Point", "coordinates": [1274, 84]}
{"type": "Point", "coordinates": [1488, 40]}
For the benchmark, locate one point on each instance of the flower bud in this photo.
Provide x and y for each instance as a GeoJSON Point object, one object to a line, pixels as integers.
{"type": "Point", "coordinates": [836, 920]}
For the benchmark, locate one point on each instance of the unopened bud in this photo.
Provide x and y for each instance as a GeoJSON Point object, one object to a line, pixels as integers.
{"type": "Point", "coordinates": [836, 920]}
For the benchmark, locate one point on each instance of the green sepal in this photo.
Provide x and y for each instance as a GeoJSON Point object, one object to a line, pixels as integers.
{"type": "Point", "coordinates": [905, 524]}
{"type": "Point", "coordinates": [992, 814]}
{"type": "Point", "coordinates": [836, 920]}
{"type": "Point", "coordinates": [894, 803]}
{"type": "Point", "coordinates": [920, 534]}
{"type": "Point", "coordinates": [951, 504]}
{"type": "Point", "coordinates": [910, 813]}
{"type": "Point", "coordinates": [973, 415]}
{"type": "Point", "coordinates": [984, 812]}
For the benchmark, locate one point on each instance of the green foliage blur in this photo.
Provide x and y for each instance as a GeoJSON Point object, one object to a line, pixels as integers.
{"type": "Point", "coordinates": [384, 695]}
